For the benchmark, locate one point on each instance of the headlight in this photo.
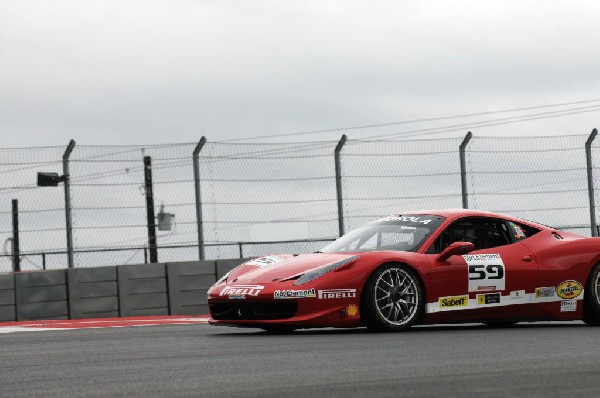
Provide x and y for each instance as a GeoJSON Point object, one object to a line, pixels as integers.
{"type": "Point", "coordinates": [314, 274]}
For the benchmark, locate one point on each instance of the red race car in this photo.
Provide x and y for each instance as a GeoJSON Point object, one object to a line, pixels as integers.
{"type": "Point", "coordinates": [447, 266]}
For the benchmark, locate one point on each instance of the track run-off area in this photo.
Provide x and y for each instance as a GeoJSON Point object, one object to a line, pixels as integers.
{"type": "Point", "coordinates": [184, 356]}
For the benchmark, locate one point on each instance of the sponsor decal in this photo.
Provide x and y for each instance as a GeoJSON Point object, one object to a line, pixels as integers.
{"type": "Point", "coordinates": [241, 290]}
{"type": "Point", "coordinates": [413, 219]}
{"type": "Point", "coordinates": [486, 272]}
{"type": "Point", "coordinates": [490, 298]}
{"type": "Point", "coordinates": [517, 294]}
{"type": "Point", "coordinates": [337, 293]}
{"type": "Point", "coordinates": [294, 294]}
{"type": "Point", "coordinates": [265, 261]}
{"type": "Point", "coordinates": [568, 306]}
{"type": "Point", "coordinates": [352, 311]}
{"type": "Point", "coordinates": [544, 292]}
{"type": "Point", "coordinates": [569, 289]}
{"type": "Point", "coordinates": [453, 301]}
{"type": "Point", "coordinates": [237, 297]}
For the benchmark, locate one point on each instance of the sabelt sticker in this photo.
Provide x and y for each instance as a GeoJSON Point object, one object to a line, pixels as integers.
{"type": "Point", "coordinates": [517, 294]}
{"type": "Point", "coordinates": [569, 289]}
{"type": "Point", "coordinates": [490, 298]}
{"type": "Point", "coordinates": [568, 306]}
{"type": "Point", "coordinates": [544, 292]}
{"type": "Point", "coordinates": [453, 302]}
{"type": "Point", "coordinates": [241, 290]}
{"type": "Point", "coordinates": [265, 261]}
{"type": "Point", "coordinates": [485, 272]}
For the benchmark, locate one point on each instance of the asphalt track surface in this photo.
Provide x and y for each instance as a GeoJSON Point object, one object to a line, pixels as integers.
{"type": "Point", "coordinates": [534, 360]}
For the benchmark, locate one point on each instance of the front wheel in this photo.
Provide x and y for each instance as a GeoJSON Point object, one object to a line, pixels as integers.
{"type": "Point", "coordinates": [392, 299]}
{"type": "Point", "coordinates": [591, 299]}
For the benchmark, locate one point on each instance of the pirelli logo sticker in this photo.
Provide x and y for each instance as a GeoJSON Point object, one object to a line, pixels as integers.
{"type": "Point", "coordinates": [451, 302]}
{"type": "Point", "coordinates": [337, 293]}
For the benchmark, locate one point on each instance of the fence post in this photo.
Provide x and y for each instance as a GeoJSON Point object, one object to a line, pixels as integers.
{"type": "Point", "coordinates": [463, 170]}
{"type": "Point", "coordinates": [150, 209]}
{"type": "Point", "coordinates": [590, 178]}
{"type": "Point", "coordinates": [15, 243]}
{"type": "Point", "coordinates": [199, 220]}
{"type": "Point", "coordinates": [338, 183]}
{"type": "Point", "coordinates": [69, 219]}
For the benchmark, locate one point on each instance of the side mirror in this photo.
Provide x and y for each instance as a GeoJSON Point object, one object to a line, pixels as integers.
{"type": "Point", "coordinates": [455, 249]}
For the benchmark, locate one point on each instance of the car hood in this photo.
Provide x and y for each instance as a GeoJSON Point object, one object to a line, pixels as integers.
{"type": "Point", "coordinates": [281, 267]}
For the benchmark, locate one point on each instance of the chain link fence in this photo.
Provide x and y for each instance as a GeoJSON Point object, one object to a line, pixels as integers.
{"type": "Point", "coordinates": [258, 199]}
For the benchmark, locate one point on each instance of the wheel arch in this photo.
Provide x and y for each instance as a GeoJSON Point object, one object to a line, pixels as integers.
{"type": "Point", "coordinates": [418, 273]}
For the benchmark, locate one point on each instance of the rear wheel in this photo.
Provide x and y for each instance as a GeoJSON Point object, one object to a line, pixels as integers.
{"type": "Point", "coordinates": [591, 299]}
{"type": "Point", "coordinates": [392, 299]}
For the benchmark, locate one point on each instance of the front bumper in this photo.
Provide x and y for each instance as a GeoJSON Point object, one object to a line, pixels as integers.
{"type": "Point", "coordinates": [263, 309]}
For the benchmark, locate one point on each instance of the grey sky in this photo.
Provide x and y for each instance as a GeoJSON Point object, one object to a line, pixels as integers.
{"type": "Point", "coordinates": [130, 72]}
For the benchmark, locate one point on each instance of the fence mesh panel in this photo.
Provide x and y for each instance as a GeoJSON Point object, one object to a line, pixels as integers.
{"type": "Point", "coordinates": [537, 178]}
{"type": "Point", "coordinates": [109, 203]}
{"type": "Point", "coordinates": [41, 209]}
{"type": "Point", "coordinates": [272, 198]}
{"type": "Point", "coordinates": [384, 177]}
{"type": "Point", "coordinates": [267, 192]}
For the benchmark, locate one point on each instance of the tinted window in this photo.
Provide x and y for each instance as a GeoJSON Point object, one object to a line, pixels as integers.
{"type": "Point", "coordinates": [403, 232]}
{"type": "Point", "coordinates": [483, 232]}
{"type": "Point", "coordinates": [521, 231]}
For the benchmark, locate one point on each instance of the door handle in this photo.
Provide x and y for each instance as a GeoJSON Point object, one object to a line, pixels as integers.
{"type": "Point", "coordinates": [527, 258]}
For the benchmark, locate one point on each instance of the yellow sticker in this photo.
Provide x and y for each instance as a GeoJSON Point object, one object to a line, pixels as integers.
{"type": "Point", "coordinates": [352, 311]}
{"type": "Point", "coordinates": [569, 289]}
{"type": "Point", "coordinates": [454, 301]}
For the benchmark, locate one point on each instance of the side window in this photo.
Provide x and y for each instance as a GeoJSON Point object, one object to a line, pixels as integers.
{"type": "Point", "coordinates": [483, 232]}
{"type": "Point", "coordinates": [520, 231]}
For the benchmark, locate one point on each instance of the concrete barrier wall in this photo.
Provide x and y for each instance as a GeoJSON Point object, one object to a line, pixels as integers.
{"type": "Point", "coordinates": [93, 292]}
{"type": "Point", "coordinates": [143, 290]}
{"type": "Point", "coordinates": [8, 309]}
{"type": "Point", "coordinates": [188, 284]}
{"type": "Point", "coordinates": [41, 295]}
{"type": "Point", "coordinates": [126, 290]}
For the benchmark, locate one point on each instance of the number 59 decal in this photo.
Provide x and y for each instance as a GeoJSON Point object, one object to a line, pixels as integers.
{"type": "Point", "coordinates": [486, 272]}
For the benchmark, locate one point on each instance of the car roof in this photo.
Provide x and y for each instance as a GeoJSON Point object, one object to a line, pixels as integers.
{"type": "Point", "coordinates": [458, 213]}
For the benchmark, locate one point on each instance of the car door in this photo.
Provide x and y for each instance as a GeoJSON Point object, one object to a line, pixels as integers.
{"type": "Point", "coordinates": [492, 281]}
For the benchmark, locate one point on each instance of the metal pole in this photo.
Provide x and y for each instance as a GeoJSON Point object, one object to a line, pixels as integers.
{"type": "Point", "coordinates": [199, 220]}
{"type": "Point", "coordinates": [66, 178]}
{"type": "Point", "coordinates": [463, 170]}
{"type": "Point", "coordinates": [338, 183]}
{"type": "Point", "coordinates": [590, 178]}
{"type": "Point", "coordinates": [15, 242]}
{"type": "Point", "coordinates": [150, 209]}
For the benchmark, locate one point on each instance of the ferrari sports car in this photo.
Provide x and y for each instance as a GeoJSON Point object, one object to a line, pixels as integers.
{"type": "Point", "coordinates": [447, 266]}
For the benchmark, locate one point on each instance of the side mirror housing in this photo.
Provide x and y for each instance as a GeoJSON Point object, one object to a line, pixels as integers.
{"type": "Point", "coordinates": [455, 249]}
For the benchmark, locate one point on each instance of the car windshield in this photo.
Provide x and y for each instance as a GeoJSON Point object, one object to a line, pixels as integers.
{"type": "Point", "coordinates": [401, 232]}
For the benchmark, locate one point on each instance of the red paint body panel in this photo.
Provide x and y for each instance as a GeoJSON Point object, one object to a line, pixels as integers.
{"type": "Point", "coordinates": [540, 261]}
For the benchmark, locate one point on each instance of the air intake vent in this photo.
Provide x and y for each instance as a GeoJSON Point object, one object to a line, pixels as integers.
{"type": "Point", "coordinates": [253, 311]}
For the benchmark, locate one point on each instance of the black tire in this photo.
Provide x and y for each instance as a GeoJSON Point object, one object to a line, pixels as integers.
{"type": "Point", "coordinates": [393, 299]}
{"type": "Point", "coordinates": [591, 298]}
